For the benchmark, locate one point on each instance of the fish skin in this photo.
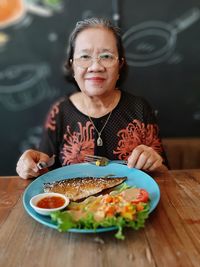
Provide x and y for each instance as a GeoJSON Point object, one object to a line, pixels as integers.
{"type": "Point", "coordinates": [82, 187]}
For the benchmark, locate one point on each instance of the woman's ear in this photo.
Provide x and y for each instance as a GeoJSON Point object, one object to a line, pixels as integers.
{"type": "Point", "coordinates": [121, 63]}
{"type": "Point", "coordinates": [72, 68]}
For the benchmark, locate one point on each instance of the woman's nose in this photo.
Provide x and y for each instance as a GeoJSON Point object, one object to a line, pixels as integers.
{"type": "Point", "coordinates": [96, 65]}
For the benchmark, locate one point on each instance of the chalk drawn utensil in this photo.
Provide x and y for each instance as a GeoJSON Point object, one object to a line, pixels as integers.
{"type": "Point", "coordinates": [152, 42]}
{"type": "Point", "coordinates": [12, 11]}
{"type": "Point", "coordinates": [23, 86]}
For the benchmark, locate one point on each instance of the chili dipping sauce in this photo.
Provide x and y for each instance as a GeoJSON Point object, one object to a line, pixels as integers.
{"type": "Point", "coordinates": [50, 202]}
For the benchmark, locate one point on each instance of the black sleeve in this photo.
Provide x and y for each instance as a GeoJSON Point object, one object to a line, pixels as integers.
{"type": "Point", "coordinates": [50, 138]}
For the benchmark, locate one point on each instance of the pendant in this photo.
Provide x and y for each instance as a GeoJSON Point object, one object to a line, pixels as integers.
{"type": "Point", "coordinates": [99, 141]}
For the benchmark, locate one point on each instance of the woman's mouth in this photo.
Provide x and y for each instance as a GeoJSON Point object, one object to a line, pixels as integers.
{"type": "Point", "coordinates": [96, 79]}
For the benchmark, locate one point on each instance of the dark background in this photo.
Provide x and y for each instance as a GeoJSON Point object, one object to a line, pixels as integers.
{"type": "Point", "coordinates": [162, 40]}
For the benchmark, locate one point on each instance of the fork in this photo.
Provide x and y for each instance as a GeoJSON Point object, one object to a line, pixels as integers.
{"type": "Point", "coordinates": [42, 165]}
{"type": "Point", "coordinates": [101, 161]}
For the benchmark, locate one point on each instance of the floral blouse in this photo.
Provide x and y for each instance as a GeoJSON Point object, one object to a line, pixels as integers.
{"type": "Point", "coordinates": [70, 134]}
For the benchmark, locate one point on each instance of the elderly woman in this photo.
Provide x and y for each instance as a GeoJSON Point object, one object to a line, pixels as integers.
{"type": "Point", "coordinates": [99, 118]}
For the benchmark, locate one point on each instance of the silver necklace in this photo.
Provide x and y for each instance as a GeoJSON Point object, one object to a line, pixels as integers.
{"type": "Point", "coordinates": [99, 139]}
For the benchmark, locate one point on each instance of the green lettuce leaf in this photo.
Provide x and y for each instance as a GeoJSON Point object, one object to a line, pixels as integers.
{"type": "Point", "coordinates": [64, 221]}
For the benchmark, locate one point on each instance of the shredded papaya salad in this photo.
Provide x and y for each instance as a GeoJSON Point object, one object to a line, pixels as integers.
{"type": "Point", "coordinates": [125, 206]}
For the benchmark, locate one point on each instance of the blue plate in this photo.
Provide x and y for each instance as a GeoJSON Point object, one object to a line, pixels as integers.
{"type": "Point", "coordinates": [135, 178]}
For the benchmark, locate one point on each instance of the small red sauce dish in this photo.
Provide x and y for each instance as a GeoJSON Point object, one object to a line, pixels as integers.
{"type": "Point", "coordinates": [45, 203]}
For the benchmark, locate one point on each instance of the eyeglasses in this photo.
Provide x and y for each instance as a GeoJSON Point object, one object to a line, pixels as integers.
{"type": "Point", "coordinates": [106, 60]}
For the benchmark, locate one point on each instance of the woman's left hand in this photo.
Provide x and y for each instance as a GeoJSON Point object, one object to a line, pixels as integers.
{"type": "Point", "coordinates": [145, 158]}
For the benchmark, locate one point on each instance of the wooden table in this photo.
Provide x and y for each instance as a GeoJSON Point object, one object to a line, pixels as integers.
{"type": "Point", "coordinates": [171, 237]}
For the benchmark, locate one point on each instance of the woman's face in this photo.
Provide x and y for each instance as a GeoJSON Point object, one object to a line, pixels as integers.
{"type": "Point", "coordinates": [96, 79]}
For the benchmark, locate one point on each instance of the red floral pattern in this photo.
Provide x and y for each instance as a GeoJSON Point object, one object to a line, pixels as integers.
{"type": "Point", "coordinates": [77, 144]}
{"type": "Point", "coordinates": [137, 133]}
{"type": "Point", "coordinates": [51, 121]}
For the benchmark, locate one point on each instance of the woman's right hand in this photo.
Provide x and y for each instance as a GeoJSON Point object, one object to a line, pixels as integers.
{"type": "Point", "coordinates": [27, 163]}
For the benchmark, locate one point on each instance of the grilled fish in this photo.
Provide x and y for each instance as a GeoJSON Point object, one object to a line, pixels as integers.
{"type": "Point", "coordinates": [82, 187]}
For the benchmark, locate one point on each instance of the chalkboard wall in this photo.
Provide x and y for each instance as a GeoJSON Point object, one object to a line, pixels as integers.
{"type": "Point", "coordinates": [162, 41]}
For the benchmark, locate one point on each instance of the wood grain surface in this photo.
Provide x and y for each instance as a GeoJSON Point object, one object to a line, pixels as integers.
{"type": "Point", "coordinates": [170, 238]}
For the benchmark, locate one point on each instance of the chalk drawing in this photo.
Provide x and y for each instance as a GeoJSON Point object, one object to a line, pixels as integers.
{"type": "Point", "coordinates": [23, 86]}
{"type": "Point", "coordinates": [4, 38]}
{"type": "Point", "coordinates": [52, 37]}
{"type": "Point", "coordinates": [116, 13]}
{"type": "Point", "coordinates": [152, 42]}
{"type": "Point", "coordinates": [17, 13]}
{"type": "Point", "coordinates": [12, 11]}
